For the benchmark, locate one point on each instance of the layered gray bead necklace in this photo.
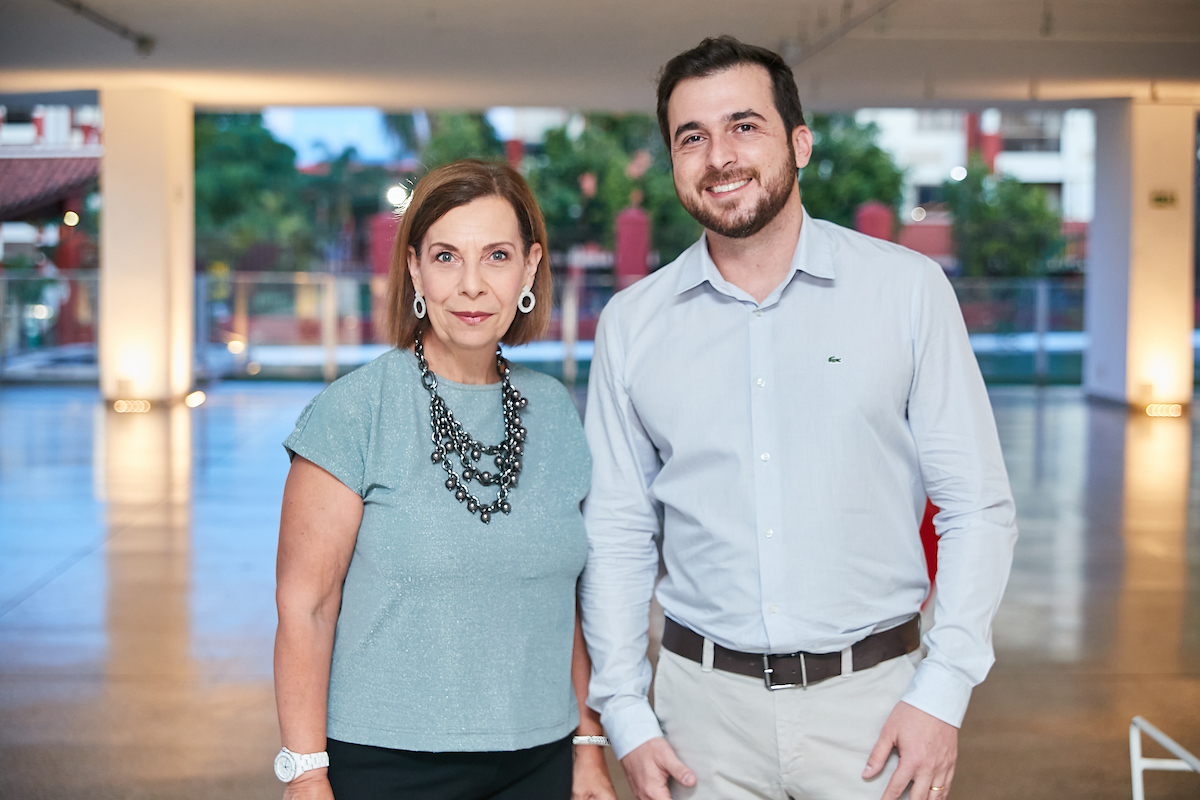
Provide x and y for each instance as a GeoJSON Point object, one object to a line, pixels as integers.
{"type": "Point", "coordinates": [450, 437]}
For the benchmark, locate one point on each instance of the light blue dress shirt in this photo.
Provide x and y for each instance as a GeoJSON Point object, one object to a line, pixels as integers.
{"type": "Point", "coordinates": [779, 454]}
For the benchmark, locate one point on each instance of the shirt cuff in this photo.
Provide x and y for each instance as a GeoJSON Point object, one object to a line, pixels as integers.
{"type": "Point", "coordinates": [938, 693]}
{"type": "Point", "coordinates": [629, 723]}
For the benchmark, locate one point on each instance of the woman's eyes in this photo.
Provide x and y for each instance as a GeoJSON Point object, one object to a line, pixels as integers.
{"type": "Point", "coordinates": [446, 257]}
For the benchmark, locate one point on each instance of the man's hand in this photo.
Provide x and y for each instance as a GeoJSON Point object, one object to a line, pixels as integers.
{"type": "Point", "coordinates": [650, 765]}
{"type": "Point", "coordinates": [928, 749]}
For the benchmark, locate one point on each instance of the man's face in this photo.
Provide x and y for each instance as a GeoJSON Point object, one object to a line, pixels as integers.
{"type": "Point", "coordinates": [734, 162]}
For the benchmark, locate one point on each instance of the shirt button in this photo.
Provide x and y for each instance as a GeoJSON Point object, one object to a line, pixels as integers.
{"type": "Point", "coordinates": [765, 456]}
{"type": "Point", "coordinates": [761, 383]}
{"type": "Point", "coordinates": [758, 312]}
{"type": "Point", "coordinates": [769, 533]}
{"type": "Point", "coordinates": [774, 609]}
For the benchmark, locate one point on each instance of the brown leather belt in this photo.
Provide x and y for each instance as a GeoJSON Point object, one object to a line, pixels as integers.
{"type": "Point", "coordinates": [795, 669]}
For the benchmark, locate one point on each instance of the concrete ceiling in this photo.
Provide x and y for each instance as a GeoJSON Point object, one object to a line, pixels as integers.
{"type": "Point", "coordinates": [478, 53]}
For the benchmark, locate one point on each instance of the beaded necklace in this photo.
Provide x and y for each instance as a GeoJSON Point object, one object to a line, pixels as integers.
{"type": "Point", "coordinates": [449, 437]}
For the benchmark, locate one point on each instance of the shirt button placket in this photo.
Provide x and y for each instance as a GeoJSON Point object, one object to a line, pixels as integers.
{"type": "Point", "coordinates": [765, 478]}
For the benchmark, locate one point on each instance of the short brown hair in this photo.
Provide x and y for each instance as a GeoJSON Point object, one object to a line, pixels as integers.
{"type": "Point", "coordinates": [719, 54]}
{"type": "Point", "coordinates": [442, 190]}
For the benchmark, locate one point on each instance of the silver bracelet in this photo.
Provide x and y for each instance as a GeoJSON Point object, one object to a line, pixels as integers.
{"type": "Point", "coordinates": [602, 741]}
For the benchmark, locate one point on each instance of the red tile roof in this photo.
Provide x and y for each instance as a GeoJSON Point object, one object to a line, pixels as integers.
{"type": "Point", "coordinates": [34, 186]}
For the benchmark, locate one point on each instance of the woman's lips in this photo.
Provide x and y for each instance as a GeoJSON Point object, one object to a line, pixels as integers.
{"type": "Point", "coordinates": [471, 317]}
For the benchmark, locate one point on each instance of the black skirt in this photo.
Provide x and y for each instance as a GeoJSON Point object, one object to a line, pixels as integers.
{"type": "Point", "coordinates": [364, 772]}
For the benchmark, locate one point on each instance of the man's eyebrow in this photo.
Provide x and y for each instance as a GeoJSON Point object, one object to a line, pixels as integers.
{"type": "Point", "coordinates": [687, 126]}
{"type": "Point", "coordinates": [747, 114]}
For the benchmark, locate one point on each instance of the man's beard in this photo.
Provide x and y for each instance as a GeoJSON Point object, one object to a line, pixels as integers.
{"type": "Point", "coordinates": [777, 190]}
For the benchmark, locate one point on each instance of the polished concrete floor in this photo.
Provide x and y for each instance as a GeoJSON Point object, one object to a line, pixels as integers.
{"type": "Point", "coordinates": [136, 605]}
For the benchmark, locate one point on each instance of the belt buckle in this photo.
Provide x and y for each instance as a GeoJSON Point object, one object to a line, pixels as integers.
{"type": "Point", "coordinates": [767, 672]}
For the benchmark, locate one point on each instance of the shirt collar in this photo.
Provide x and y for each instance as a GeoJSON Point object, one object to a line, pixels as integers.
{"type": "Point", "coordinates": [813, 255]}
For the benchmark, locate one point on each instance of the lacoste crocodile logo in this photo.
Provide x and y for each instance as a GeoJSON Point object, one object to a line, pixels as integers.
{"type": "Point", "coordinates": [834, 360]}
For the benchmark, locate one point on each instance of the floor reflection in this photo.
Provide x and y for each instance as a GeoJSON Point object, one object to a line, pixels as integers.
{"type": "Point", "coordinates": [135, 648]}
{"type": "Point", "coordinates": [1154, 531]}
{"type": "Point", "coordinates": [136, 597]}
{"type": "Point", "coordinates": [1094, 626]}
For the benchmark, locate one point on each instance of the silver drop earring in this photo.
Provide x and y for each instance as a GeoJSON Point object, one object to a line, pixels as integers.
{"type": "Point", "coordinates": [526, 301]}
{"type": "Point", "coordinates": [419, 306]}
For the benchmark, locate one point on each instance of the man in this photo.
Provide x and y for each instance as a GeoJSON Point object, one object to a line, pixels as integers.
{"type": "Point", "coordinates": [770, 411]}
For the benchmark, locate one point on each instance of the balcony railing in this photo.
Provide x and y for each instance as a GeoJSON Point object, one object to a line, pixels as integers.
{"type": "Point", "coordinates": [315, 325]}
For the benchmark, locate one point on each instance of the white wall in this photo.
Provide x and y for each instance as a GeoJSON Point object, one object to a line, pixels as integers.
{"type": "Point", "coordinates": [1140, 295]}
{"type": "Point", "coordinates": [147, 240]}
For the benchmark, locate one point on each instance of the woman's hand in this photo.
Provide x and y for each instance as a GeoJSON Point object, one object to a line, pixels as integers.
{"type": "Point", "coordinates": [591, 780]}
{"type": "Point", "coordinates": [312, 785]}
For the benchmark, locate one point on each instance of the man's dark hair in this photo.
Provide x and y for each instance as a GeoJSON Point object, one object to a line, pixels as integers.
{"type": "Point", "coordinates": [719, 54]}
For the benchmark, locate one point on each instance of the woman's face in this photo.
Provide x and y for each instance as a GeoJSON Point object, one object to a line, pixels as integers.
{"type": "Point", "coordinates": [471, 270]}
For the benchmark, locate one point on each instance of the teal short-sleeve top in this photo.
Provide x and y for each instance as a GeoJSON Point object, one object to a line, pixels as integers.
{"type": "Point", "coordinates": [453, 635]}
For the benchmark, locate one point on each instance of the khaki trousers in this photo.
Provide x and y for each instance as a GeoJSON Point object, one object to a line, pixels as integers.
{"type": "Point", "coordinates": [747, 743]}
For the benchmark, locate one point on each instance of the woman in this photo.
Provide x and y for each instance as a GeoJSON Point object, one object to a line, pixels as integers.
{"type": "Point", "coordinates": [431, 538]}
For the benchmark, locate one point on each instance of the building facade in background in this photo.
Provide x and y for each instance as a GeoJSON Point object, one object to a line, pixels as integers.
{"type": "Point", "coordinates": [1050, 148]}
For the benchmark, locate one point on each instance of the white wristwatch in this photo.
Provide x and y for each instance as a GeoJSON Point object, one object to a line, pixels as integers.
{"type": "Point", "coordinates": [289, 765]}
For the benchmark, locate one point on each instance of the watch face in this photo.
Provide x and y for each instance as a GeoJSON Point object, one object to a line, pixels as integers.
{"type": "Point", "coordinates": [285, 767]}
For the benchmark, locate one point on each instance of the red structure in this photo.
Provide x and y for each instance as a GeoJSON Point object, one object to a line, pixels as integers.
{"type": "Point", "coordinates": [514, 152]}
{"type": "Point", "coordinates": [929, 539]}
{"type": "Point", "coordinates": [40, 187]}
{"type": "Point", "coordinates": [875, 219]}
{"type": "Point", "coordinates": [381, 231]}
{"type": "Point", "coordinates": [632, 246]}
{"type": "Point", "coordinates": [987, 145]}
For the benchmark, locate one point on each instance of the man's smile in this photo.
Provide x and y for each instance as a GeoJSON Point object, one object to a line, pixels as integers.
{"type": "Point", "coordinates": [726, 188]}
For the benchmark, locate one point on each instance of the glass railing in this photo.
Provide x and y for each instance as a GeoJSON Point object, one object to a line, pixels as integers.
{"type": "Point", "coordinates": [1025, 330]}
{"type": "Point", "coordinates": [48, 325]}
{"type": "Point", "coordinates": [310, 325]}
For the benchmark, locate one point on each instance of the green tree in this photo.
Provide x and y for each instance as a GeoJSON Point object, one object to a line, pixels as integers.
{"type": "Point", "coordinates": [583, 182]}
{"type": "Point", "coordinates": [343, 194]}
{"type": "Point", "coordinates": [1002, 227]}
{"type": "Point", "coordinates": [459, 134]}
{"type": "Point", "coordinates": [847, 169]}
{"type": "Point", "coordinates": [246, 189]}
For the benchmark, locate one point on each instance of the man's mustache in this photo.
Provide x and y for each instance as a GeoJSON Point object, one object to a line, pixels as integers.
{"type": "Point", "coordinates": [718, 178]}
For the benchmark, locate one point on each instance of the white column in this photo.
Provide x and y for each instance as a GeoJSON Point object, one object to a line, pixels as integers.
{"type": "Point", "coordinates": [1139, 304]}
{"type": "Point", "coordinates": [147, 240]}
